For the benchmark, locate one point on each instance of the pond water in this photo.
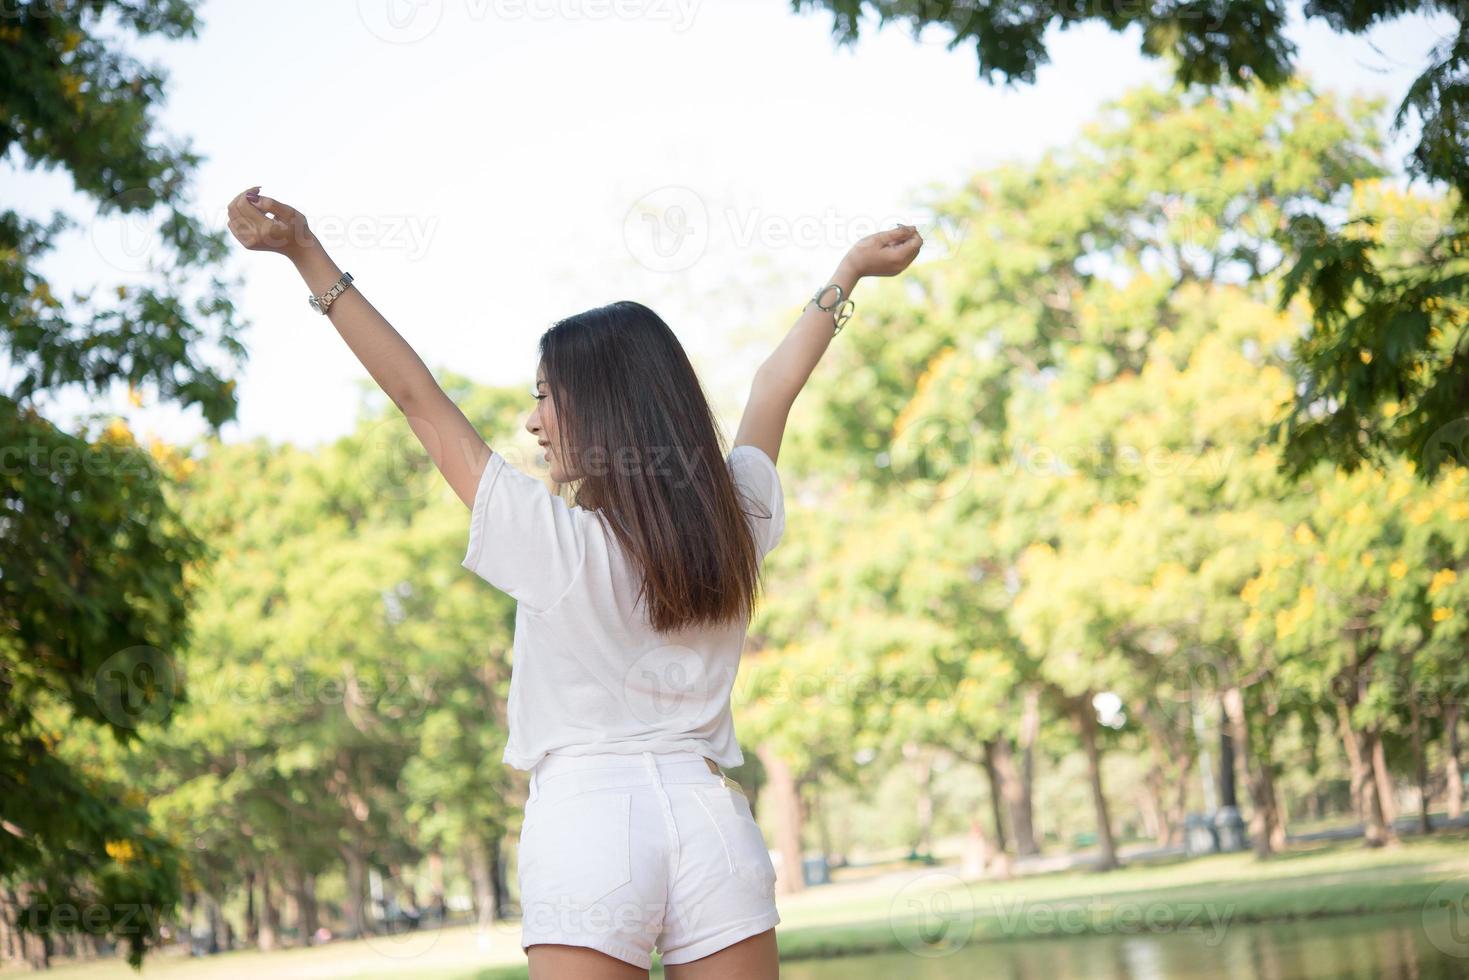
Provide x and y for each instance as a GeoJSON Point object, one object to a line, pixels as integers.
{"type": "Point", "coordinates": [1421, 946]}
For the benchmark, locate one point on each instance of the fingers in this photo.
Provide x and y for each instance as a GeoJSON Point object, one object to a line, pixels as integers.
{"type": "Point", "coordinates": [272, 206]}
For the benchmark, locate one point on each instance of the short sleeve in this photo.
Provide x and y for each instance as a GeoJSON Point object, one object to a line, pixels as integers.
{"type": "Point", "coordinates": [523, 539]}
{"type": "Point", "coordinates": [756, 477]}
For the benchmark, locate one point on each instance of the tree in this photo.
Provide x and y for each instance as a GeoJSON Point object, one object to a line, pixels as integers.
{"type": "Point", "coordinates": [91, 592]}
{"type": "Point", "coordinates": [1372, 290]}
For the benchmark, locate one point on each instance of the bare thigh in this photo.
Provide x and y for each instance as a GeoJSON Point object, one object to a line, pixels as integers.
{"type": "Point", "coordinates": [553, 961]}
{"type": "Point", "coordinates": [754, 958]}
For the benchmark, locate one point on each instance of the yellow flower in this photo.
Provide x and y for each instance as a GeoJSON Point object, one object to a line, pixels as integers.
{"type": "Point", "coordinates": [1440, 614]}
{"type": "Point", "coordinates": [118, 431]}
{"type": "Point", "coordinates": [1442, 579]}
{"type": "Point", "coordinates": [1366, 356]}
{"type": "Point", "coordinates": [122, 292]}
{"type": "Point", "coordinates": [1304, 534]}
{"type": "Point", "coordinates": [135, 397]}
{"type": "Point", "coordinates": [1358, 514]}
{"type": "Point", "coordinates": [1285, 623]}
{"type": "Point", "coordinates": [121, 851]}
{"type": "Point", "coordinates": [1367, 560]}
{"type": "Point", "coordinates": [1398, 569]}
{"type": "Point", "coordinates": [1460, 511]}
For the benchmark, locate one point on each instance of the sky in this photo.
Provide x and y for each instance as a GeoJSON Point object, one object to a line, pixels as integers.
{"type": "Point", "coordinates": [485, 167]}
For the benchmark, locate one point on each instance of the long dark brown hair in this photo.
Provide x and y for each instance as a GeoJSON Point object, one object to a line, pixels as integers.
{"type": "Point", "coordinates": [635, 426]}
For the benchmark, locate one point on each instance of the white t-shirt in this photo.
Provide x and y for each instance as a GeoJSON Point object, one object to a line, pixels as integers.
{"type": "Point", "coordinates": [588, 674]}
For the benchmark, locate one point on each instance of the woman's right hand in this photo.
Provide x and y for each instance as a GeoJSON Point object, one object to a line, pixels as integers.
{"type": "Point", "coordinates": [263, 224]}
{"type": "Point", "coordinates": [885, 253]}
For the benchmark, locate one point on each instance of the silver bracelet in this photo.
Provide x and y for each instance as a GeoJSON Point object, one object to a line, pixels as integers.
{"type": "Point", "coordinates": [840, 310]}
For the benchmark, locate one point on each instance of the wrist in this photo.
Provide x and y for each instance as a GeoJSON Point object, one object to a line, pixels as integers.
{"type": "Point", "coordinates": [307, 248]}
{"type": "Point", "coordinates": [847, 272]}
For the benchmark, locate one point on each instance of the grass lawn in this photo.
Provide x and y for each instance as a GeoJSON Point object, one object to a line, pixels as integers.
{"type": "Point", "coordinates": [890, 910]}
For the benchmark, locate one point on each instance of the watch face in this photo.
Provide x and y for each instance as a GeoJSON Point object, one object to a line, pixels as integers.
{"type": "Point", "coordinates": [315, 304]}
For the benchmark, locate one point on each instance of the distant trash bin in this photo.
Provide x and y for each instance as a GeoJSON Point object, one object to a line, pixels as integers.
{"type": "Point", "coordinates": [816, 871]}
{"type": "Point", "coordinates": [1229, 829]}
{"type": "Point", "coordinates": [1199, 836]}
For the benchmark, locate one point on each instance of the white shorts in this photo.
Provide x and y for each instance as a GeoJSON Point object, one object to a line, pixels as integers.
{"type": "Point", "coordinates": [625, 853]}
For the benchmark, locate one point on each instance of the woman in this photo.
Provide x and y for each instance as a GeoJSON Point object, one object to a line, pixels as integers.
{"type": "Point", "coordinates": [631, 610]}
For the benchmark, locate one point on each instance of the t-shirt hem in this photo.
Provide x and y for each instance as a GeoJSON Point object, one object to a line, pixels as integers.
{"type": "Point", "coordinates": [527, 762]}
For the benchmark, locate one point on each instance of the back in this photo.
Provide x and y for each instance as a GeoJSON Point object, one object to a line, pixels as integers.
{"type": "Point", "coordinates": [588, 675]}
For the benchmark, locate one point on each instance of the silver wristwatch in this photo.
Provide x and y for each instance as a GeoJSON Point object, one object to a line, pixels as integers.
{"type": "Point", "coordinates": [321, 303]}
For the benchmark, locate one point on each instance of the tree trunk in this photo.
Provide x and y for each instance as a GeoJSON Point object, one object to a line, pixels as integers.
{"type": "Point", "coordinates": [303, 894]}
{"type": "Point", "coordinates": [817, 808]}
{"type": "Point", "coordinates": [1022, 816]}
{"type": "Point", "coordinates": [1420, 763]}
{"type": "Point", "coordinates": [270, 916]}
{"type": "Point", "coordinates": [1454, 775]}
{"type": "Point", "coordinates": [1278, 815]}
{"type": "Point", "coordinates": [994, 749]}
{"type": "Point", "coordinates": [498, 887]}
{"type": "Point", "coordinates": [479, 869]}
{"type": "Point", "coordinates": [32, 948]}
{"type": "Point", "coordinates": [1384, 779]}
{"type": "Point", "coordinates": [923, 806]}
{"type": "Point", "coordinates": [1377, 831]}
{"type": "Point", "coordinates": [1086, 722]}
{"type": "Point", "coordinates": [252, 924]}
{"type": "Point", "coordinates": [1355, 762]}
{"type": "Point", "coordinates": [1380, 827]}
{"type": "Point", "coordinates": [354, 903]}
{"type": "Point", "coordinates": [1178, 810]}
{"type": "Point", "coordinates": [781, 791]}
{"type": "Point", "coordinates": [218, 927]}
{"type": "Point", "coordinates": [1150, 804]}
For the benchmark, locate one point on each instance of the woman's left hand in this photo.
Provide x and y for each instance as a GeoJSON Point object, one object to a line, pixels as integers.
{"type": "Point", "coordinates": [263, 224]}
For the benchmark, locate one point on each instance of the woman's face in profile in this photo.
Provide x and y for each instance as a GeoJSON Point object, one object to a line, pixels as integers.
{"type": "Point", "coordinates": [542, 424]}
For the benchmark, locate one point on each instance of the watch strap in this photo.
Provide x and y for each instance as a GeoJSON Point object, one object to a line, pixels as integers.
{"type": "Point", "coordinates": [323, 302]}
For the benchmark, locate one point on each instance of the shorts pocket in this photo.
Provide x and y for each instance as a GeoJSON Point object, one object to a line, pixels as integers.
{"type": "Point", "coordinates": [744, 845]}
{"type": "Point", "coordinates": [577, 850]}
